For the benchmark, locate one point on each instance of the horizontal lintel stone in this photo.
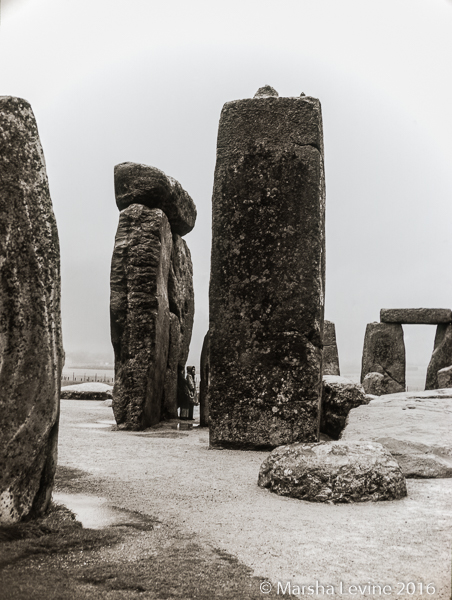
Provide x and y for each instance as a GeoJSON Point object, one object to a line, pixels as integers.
{"type": "Point", "coordinates": [416, 316]}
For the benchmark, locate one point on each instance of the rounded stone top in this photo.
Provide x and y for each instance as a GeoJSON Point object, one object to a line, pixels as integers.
{"type": "Point", "coordinates": [266, 92]}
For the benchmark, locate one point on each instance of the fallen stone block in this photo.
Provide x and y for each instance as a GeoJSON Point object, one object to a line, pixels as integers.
{"type": "Point", "coordinates": [416, 316]}
{"type": "Point", "coordinates": [374, 384]}
{"type": "Point", "coordinates": [445, 378]}
{"type": "Point", "coordinates": [337, 472]}
{"type": "Point", "coordinates": [89, 390]}
{"type": "Point", "coordinates": [141, 184]}
{"type": "Point", "coordinates": [416, 427]}
{"type": "Point", "coordinates": [339, 396]}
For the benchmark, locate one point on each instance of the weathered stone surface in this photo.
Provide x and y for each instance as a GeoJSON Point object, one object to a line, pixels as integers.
{"type": "Point", "coordinates": [141, 184]}
{"type": "Point", "coordinates": [416, 316]}
{"type": "Point", "coordinates": [416, 427]}
{"type": "Point", "coordinates": [140, 315]}
{"type": "Point", "coordinates": [384, 352]}
{"type": "Point", "coordinates": [374, 384]}
{"type": "Point", "coordinates": [330, 354]}
{"type": "Point", "coordinates": [445, 377]}
{"type": "Point", "coordinates": [267, 273]}
{"type": "Point", "coordinates": [333, 472]}
{"type": "Point", "coordinates": [441, 357]}
{"type": "Point", "coordinates": [181, 294]}
{"type": "Point", "coordinates": [31, 353]}
{"type": "Point", "coordinates": [204, 382]}
{"type": "Point", "coordinates": [170, 387]}
{"type": "Point", "coordinates": [339, 396]}
{"type": "Point", "coordinates": [90, 390]}
{"type": "Point", "coordinates": [266, 91]}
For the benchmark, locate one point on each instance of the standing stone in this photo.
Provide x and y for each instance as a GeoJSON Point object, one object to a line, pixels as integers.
{"type": "Point", "coordinates": [441, 357]}
{"type": "Point", "coordinates": [181, 294]}
{"type": "Point", "coordinates": [170, 388]}
{"type": "Point", "coordinates": [384, 352]}
{"type": "Point", "coordinates": [330, 354]}
{"type": "Point", "coordinates": [445, 378]}
{"type": "Point", "coordinates": [31, 353]}
{"type": "Point", "coordinates": [204, 383]}
{"type": "Point", "coordinates": [140, 317]}
{"type": "Point", "coordinates": [267, 273]}
{"type": "Point", "coordinates": [142, 184]}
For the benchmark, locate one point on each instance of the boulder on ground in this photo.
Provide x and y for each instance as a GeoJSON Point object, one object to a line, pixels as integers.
{"type": "Point", "coordinates": [441, 357]}
{"type": "Point", "coordinates": [339, 396]}
{"type": "Point", "coordinates": [445, 378]}
{"type": "Point", "coordinates": [141, 184]}
{"type": "Point", "coordinates": [31, 352]}
{"type": "Point", "coordinates": [374, 384]}
{"type": "Point", "coordinates": [333, 472]}
{"type": "Point", "coordinates": [89, 390]}
{"type": "Point", "coordinates": [416, 427]}
{"type": "Point", "coordinates": [330, 354]}
{"type": "Point", "coordinates": [384, 352]}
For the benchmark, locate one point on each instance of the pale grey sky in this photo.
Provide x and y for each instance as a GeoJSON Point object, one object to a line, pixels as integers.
{"type": "Point", "coordinates": [142, 81]}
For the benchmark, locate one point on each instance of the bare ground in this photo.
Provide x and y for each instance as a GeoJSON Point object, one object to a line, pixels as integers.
{"type": "Point", "coordinates": [212, 497]}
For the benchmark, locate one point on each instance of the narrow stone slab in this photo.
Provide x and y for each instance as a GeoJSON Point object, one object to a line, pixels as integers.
{"type": "Point", "coordinates": [140, 317]}
{"type": "Point", "coordinates": [416, 427]}
{"type": "Point", "coordinates": [204, 382]}
{"type": "Point", "coordinates": [31, 352]}
{"type": "Point", "coordinates": [330, 353]}
{"type": "Point", "coordinates": [142, 184]}
{"type": "Point", "coordinates": [342, 471]}
{"type": "Point", "coordinates": [416, 316]}
{"type": "Point", "coordinates": [267, 273]}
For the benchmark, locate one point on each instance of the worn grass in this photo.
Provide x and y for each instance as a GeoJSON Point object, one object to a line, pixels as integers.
{"type": "Point", "coordinates": [55, 558]}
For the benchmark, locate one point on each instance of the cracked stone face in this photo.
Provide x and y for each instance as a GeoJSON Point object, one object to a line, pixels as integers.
{"type": "Point", "coordinates": [267, 273]}
{"type": "Point", "coordinates": [384, 352]}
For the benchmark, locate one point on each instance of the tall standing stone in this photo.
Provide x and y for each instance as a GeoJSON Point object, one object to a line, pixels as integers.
{"type": "Point", "coordinates": [204, 382]}
{"type": "Point", "coordinates": [31, 353]}
{"type": "Point", "coordinates": [140, 316]}
{"type": "Point", "coordinates": [442, 355]}
{"type": "Point", "coordinates": [267, 273]}
{"type": "Point", "coordinates": [330, 353]}
{"type": "Point", "coordinates": [384, 352]}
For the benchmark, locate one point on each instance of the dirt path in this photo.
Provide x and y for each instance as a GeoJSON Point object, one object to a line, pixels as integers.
{"type": "Point", "coordinates": [174, 476]}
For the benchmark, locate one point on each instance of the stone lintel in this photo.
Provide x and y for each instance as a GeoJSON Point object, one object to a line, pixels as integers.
{"type": "Point", "coordinates": [416, 316]}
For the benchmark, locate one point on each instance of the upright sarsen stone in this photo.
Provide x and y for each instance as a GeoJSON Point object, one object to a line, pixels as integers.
{"type": "Point", "coordinates": [330, 353]}
{"type": "Point", "coordinates": [31, 353]}
{"type": "Point", "coordinates": [267, 273]}
{"type": "Point", "coordinates": [384, 353]}
{"type": "Point", "coordinates": [139, 315]}
{"type": "Point", "coordinates": [441, 357]}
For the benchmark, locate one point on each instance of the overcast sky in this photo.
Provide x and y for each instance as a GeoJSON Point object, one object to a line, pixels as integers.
{"type": "Point", "coordinates": [112, 81]}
